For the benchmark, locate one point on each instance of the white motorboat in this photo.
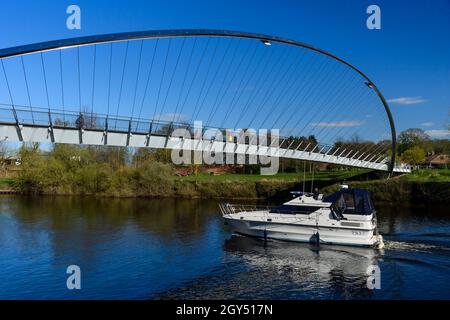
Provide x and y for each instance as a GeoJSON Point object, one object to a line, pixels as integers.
{"type": "Point", "coordinates": [346, 217]}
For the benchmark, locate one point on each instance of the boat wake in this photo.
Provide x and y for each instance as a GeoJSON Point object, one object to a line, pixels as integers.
{"type": "Point", "coordinates": [412, 246]}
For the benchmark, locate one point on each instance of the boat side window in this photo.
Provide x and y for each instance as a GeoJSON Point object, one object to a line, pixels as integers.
{"type": "Point", "coordinates": [349, 201]}
{"type": "Point", "coordinates": [340, 203]}
{"type": "Point", "coordinates": [359, 204]}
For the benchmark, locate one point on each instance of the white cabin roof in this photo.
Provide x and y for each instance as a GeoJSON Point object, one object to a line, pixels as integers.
{"type": "Point", "coordinates": [307, 200]}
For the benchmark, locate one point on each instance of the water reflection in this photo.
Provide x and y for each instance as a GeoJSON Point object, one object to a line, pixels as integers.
{"type": "Point", "coordinates": [285, 270]}
{"type": "Point", "coordinates": [308, 259]}
{"type": "Point", "coordinates": [63, 213]}
{"type": "Point", "coordinates": [147, 245]}
{"type": "Point", "coordinates": [320, 272]}
{"type": "Point", "coordinates": [167, 248]}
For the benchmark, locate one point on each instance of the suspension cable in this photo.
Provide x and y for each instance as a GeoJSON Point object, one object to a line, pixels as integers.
{"type": "Point", "coordinates": [45, 81]}
{"type": "Point", "coordinates": [9, 91]}
{"type": "Point", "coordinates": [147, 83]}
{"type": "Point", "coordinates": [79, 76]}
{"type": "Point", "coordinates": [162, 79]}
{"type": "Point", "coordinates": [238, 67]}
{"type": "Point", "coordinates": [62, 85]}
{"type": "Point", "coordinates": [28, 90]}
{"type": "Point", "coordinates": [121, 81]}
{"type": "Point", "coordinates": [171, 78]}
{"type": "Point", "coordinates": [240, 87]}
{"type": "Point", "coordinates": [214, 105]}
{"type": "Point", "coordinates": [137, 79]}
{"type": "Point", "coordinates": [195, 74]}
{"type": "Point", "coordinates": [93, 79]}
{"type": "Point", "coordinates": [109, 77]}
{"type": "Point", "coordinates": [184, 81]}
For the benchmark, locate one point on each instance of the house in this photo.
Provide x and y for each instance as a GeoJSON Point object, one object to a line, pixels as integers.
{"type": "Point", "coordinates": [10, 161]}
{"type": "Point", "coordinates": [323, 166]}
{"type": "Point", "coordinates": [437, 161]}
{"type": "Point", "coordinates": [221, 169]}
{"type": "Point", "coordinates": [9, 166]}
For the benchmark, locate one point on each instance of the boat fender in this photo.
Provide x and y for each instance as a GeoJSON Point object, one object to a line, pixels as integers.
{"type": "Point", "coordinates": [315, 238]}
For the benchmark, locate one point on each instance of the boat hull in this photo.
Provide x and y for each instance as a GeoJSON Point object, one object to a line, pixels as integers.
{"type": "Point", "coordinates": [303, 232]}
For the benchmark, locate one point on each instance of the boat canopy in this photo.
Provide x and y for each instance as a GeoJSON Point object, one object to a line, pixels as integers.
{"type": "Point", "coordinates": [352, 201]}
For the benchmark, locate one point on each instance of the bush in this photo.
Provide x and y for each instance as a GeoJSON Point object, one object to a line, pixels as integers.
{"type": "Point", "coordinates": [33, 170]}
{"type": "Point", "coordinates": [91, 179]}
{"type": "Point", "coordinates": [414, 156]}
{"type": "Point", "coordinates": [153, 179]}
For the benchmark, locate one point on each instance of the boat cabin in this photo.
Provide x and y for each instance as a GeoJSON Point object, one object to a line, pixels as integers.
{"type": "Point", "coordinates": [343, 202]}
{"type": "Point", "coordinates": [351, 201]}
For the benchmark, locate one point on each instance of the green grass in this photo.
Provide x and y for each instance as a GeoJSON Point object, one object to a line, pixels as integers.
{"type": "Point", "coordinates": [428, 175]}
{"type": "Point", "coordinates": [6, 183]}
{"type": "Point", "coordinates": [321, 175]}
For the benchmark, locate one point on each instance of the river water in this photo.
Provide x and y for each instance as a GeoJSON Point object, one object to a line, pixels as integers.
{"type": "Point", "coordinates": [172, 248]}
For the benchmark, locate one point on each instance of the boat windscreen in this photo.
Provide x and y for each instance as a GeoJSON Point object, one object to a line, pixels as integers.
{"type": "Point", "coordinates": [352, 201]}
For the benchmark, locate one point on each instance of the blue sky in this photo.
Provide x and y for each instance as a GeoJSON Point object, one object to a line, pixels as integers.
{"type": "Point", "coordinates": [408, 59]}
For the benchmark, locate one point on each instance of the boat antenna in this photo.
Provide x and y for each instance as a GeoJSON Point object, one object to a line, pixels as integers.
{"type": "Point", "coordinates": [304, 175]}
{"type": "Point", "coordinates": [312, 181]}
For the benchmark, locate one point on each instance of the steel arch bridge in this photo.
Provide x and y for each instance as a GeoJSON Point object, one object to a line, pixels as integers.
{"type": "Point", "coordinates": [133, 89]}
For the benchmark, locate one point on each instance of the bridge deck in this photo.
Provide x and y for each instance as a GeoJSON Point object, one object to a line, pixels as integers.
{"type": "Point", "coordinates": [55, 127]}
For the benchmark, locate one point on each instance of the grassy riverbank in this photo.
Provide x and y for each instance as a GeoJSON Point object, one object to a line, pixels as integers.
{"type": "Point", "coordinates": [113, 172]}
{"type": "Point", "coordinates": [70, 170]}
{"type": "Point", "coordinates": [286, 176]}
{"type": "Point", "coordinates": [418, 187]}
{"type": "Point", "coordinates": [7, 183]}
{"type": "Point", "coordinates": [157, 180]}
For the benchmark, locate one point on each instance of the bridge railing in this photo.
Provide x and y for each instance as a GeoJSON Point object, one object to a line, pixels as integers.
{"type": "Point", "coordinates": [23, 115]}
{"type": "Point", "coordinates": [7, 115]}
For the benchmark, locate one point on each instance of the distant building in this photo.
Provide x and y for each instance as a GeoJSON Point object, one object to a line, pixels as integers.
{"type": "Point", "coordinates": [11, 161]}
{"type": "Point", "coordinates": [9, 166]}
{"type": "Point", "coordinates": [323, 167]}
{"type": "Point", "coordinates": [222, 169]}
{"type": "Point", "coordinates": [437, 161]}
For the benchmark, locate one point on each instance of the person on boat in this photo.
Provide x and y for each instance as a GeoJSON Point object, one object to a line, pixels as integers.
{"type": "Point", "coordinates": [316, 194]}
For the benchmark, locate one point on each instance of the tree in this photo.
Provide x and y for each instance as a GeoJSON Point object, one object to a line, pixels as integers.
{"type": "Point", "coordinates": [441, 146]}
{"type": "Point", "coordinates": [295, 141]}
{"type": "Point", "coordinates": [32, 175]}
{"type": "Point", "coordinates": [354, 145]}
{"type": "Point", "coordinates": [141, 156]}
{"type": "Point", "coordinates": [145, 155]}
{"type": "Point", "coordinates": [413, 137]}
{"type": "Point", "coordinates": [72, 156]}
{"type": "Point", "coordinates": [3, 150]}
{"type": "Point", "coordinates": [117, 157]}
{"type": "Point", "coordinates": [163, 155]}
{"type": "Point", "coordinates": [414, 156]}
{"type": "Point", "coordinates": [3, 154]}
